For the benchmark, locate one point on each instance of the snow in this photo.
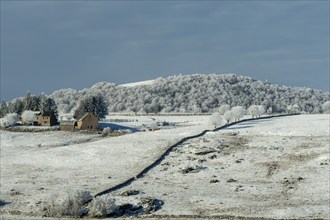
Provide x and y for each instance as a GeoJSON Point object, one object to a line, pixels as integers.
{"type": "Point", "coordinates": [279, 167]}
{"type": "Point", "coordinates": [37, 165]}
{"type": "Point", "coordinates": [303, 125]}
{"type": "Point", "coordinates": [141, 83]}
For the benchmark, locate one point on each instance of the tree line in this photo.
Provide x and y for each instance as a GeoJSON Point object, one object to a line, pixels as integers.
{"type": "Point", "coordinates": [26, 106]}
{"type": "Point", "coordinates": [197, 93]}
{"type": "Point", "coordinates": [30, 102]}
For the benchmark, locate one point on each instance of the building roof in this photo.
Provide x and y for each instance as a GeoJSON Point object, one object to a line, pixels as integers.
{"type": "Point", "coordinates": [66, 117]}
{"type": "Point", "coordinates": [85, 115]}
{"type": "Point", "coordinates": [71, 123]}
{"type": "Point", "coordinates": [46, 114]}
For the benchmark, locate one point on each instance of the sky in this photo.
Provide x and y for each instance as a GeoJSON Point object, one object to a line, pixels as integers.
{"type": "Point", "coordinates": [50, 45]}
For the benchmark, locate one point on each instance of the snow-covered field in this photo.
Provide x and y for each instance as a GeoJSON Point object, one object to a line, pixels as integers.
{"type": "Point", "coordinates": [34, 166]}
{"type": "Point", "coordinates": [273, 168]}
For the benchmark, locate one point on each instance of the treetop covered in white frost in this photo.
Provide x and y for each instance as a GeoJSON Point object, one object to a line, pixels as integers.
{"type": "Point", "coordinates": [196, 93]}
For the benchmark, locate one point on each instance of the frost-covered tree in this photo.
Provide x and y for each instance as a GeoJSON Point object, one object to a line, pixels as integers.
{"type": "Point", "coordinates": [291, 109]}
{"type": "Point", "coordinates": [223, 108]}
{"type": "Point", "coordinates": [256, 110]}
{"type": "Point", "coordinates": [228, 116]}
{"type": "Point", "coordinates": [31, 102]}
{"type": "Point", "coordinates": [253, 110]}
{"type": "Point", "coordinates": [261, 110]}
{"type": "Point", "coordinates": [216, 119]}
{"type": "Point", "coordinates": [9, 120]}
{"type": "Point", "coordinates": [270, 111]}
{"type": "Point", "coordinates": [238, 112]}
{"type": "Point", "coordinates": [28, 117]}
{"type": "Point", "coordinates": [94, 104]}
{"type": "Point", "coordinates": [326, 107]}
{"type": "Point", "coordinates": [66, 100]}
{"type": "Point", "coordinates": [16, 106]}
{"type": "Point", "coordinates": [47, 105]}
{"type": "Point", "coordinates": [3, 109]}
{"type": "Point", "coordinates": [194, 93]}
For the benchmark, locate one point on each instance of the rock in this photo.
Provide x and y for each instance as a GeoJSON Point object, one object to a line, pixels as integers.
{"type": "Point", "coordinates": [192, 169]}
{"type": "Point", "coordinates": [300, 178]}
{"type": "Point", "coordinates": [239, 188]}
{"type": "Point", "coordinates": [13, 192]}
{"type": "Point", "coordinates": [130, 193]}
{"type": "Point", "coordinates": [189, 170]}
{"type": "Point", "coordinates": [203, 151]}
{"type": "Point", "coordinates": [151, 205]}
{"type": "Point", "coordinates": [214, 181]}
{"type": "Point", "coordinates": [231, 181]}
{"type": "Point", "coordinates": [213, 156]}
{"type": "Point", "coordinates": [239, 160]}
{"type": "Point", "coordinates": [128, 210]}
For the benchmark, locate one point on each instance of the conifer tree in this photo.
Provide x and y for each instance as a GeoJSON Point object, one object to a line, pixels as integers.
{"type": "Point", "coordinates": [94, 104]}
{"type": "Point", "coordinates": [47, 105]}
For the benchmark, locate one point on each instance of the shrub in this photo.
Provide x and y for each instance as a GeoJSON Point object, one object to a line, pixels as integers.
{"type": "Point", "coordinates": [70, 204]}
{"type": "Point", "coordinates": [28, 117]}
{"type": "Point", "coordinates": [102, 206]}
{"type": "Point", "coordinates": [106, 131]}
{"type": "Point", "coordinates": [326, 107]}
{"type": "Point", "coordinates": [9, 120]}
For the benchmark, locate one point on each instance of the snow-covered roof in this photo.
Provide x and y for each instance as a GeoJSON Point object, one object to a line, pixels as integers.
{"type": "Point", "coordinates": [66, 117]}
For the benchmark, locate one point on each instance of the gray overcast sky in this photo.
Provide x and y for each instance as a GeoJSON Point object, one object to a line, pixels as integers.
{"type": "Point", "coordinates": [49, 45]}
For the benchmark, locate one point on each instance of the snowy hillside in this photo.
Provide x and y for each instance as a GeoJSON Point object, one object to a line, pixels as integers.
{"type": "Point", "coordinates": [274, 168]}
{"type": "Point", "coordinates": [195, 93]}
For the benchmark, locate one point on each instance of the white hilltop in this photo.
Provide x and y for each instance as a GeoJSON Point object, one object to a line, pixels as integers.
{"type": "Point", "coordinates": [141, 83]}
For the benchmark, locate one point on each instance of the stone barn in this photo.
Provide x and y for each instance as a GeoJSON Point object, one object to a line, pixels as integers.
{"type": "Point", "coordinates": [88, 122]}
{"type": "Point", "coordinates": [47, 119]}
{"type": "Point", "coordinates": [67, 122]}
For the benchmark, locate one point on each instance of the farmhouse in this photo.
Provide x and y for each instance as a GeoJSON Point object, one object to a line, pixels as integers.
{"type": "Point", "coordinates": [67, 122]}
{"type": "Point", "coordinates": [47, 119]}
{"type": "Point", "coordinates": [88, 122]}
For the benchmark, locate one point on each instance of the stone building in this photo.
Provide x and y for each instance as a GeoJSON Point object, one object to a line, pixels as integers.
{"type": "Point", "coordinates": [88, 122]}
{"type": "Point", "coordinates": [47, 119]}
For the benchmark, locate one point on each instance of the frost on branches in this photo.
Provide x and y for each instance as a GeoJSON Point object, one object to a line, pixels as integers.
{"type": "Point", "coordinates": [196, 93]}
{"type": "Point", "coordinates": [9, 120]}
{"type": "Point", "coordinates": [29, 117]}
{"type": "Point", "coordinates": [94, 104]}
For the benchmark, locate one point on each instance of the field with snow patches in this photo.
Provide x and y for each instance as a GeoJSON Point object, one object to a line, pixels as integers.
{"type": "Point", "coordinates": [272, 168]}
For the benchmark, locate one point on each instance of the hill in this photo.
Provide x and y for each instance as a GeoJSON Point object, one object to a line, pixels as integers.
{"type": "Point", "coordinates": [196, 93]}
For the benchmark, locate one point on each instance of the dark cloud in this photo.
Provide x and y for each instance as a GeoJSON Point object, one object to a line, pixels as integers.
{"type": "Point", "coordinates": [50, 45]}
